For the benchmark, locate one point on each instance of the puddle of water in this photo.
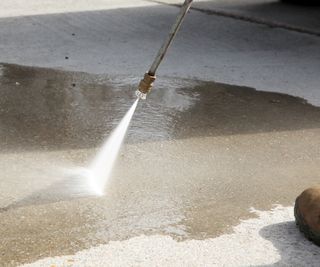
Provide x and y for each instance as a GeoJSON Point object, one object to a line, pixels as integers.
{"type": "Point", "coordinates": [77, 110]}
{"type": "Point", "coordinates": [46, 109]}
{"type": "Point", "coordinates": [197, 157]}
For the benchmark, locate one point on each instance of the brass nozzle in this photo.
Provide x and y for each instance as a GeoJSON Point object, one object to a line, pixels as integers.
{"type": "Point", "coordinates": [146, 83]}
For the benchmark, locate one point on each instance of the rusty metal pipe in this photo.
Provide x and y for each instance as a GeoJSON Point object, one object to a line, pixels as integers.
{"type": "Point", "coordinates": [146, 83]}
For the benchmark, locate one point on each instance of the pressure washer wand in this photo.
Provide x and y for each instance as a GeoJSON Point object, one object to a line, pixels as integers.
{"type": "Point", "coordinates": [146, 83]}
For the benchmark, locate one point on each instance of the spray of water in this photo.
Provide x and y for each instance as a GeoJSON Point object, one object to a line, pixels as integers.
{"type": "Point", "coordinates": [101, 167]}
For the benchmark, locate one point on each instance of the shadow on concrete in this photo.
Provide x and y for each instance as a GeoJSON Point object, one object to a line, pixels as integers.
{"type": "Point", "coordinates": [291, 16]}
{"type": "Point", "coordinates": [302, 3]}
{"type": "Point", "coordinates": [293, 248]}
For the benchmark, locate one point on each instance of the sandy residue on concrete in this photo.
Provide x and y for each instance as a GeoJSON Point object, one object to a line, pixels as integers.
{"type": "Point", "coordinates": [270, 238]}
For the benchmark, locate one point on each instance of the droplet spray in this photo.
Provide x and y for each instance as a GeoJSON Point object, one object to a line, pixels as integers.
{"type": "Point", "coordinates": [102, 165]}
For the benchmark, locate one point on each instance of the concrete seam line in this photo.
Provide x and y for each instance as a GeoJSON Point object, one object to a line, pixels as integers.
{"type": "Point", "coordinates": [255, 20]}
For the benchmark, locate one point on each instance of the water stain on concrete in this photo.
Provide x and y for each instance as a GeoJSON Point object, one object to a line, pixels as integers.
{"type": "Point", "coordinates": [197, 157]}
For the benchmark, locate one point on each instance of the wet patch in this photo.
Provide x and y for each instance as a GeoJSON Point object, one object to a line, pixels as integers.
{"type": "Point", "coordinates": [45, 109]}
{"type": "Point", "coordinates": [198, 155]}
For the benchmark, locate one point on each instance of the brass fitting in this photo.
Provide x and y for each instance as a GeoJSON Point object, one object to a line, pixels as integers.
{"type": "Point", "coordinates": [145, 85]}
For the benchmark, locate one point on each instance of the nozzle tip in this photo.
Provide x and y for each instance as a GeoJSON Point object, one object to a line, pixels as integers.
{"type": "Point", "coordinates": [141, 95]}
{"type": "Point", "coordinates": [145, 85]}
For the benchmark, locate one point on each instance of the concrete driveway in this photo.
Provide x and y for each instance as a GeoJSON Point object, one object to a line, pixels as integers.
{"type": "Point", "coordinates": [230, 130]}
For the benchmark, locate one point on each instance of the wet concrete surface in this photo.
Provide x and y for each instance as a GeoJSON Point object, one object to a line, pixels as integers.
{"type": "Point", "coordinates": [198, 155]}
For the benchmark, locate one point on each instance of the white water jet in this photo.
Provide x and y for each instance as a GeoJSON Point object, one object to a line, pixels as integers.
{"type": "Point", "coordinates": [101, 167]}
